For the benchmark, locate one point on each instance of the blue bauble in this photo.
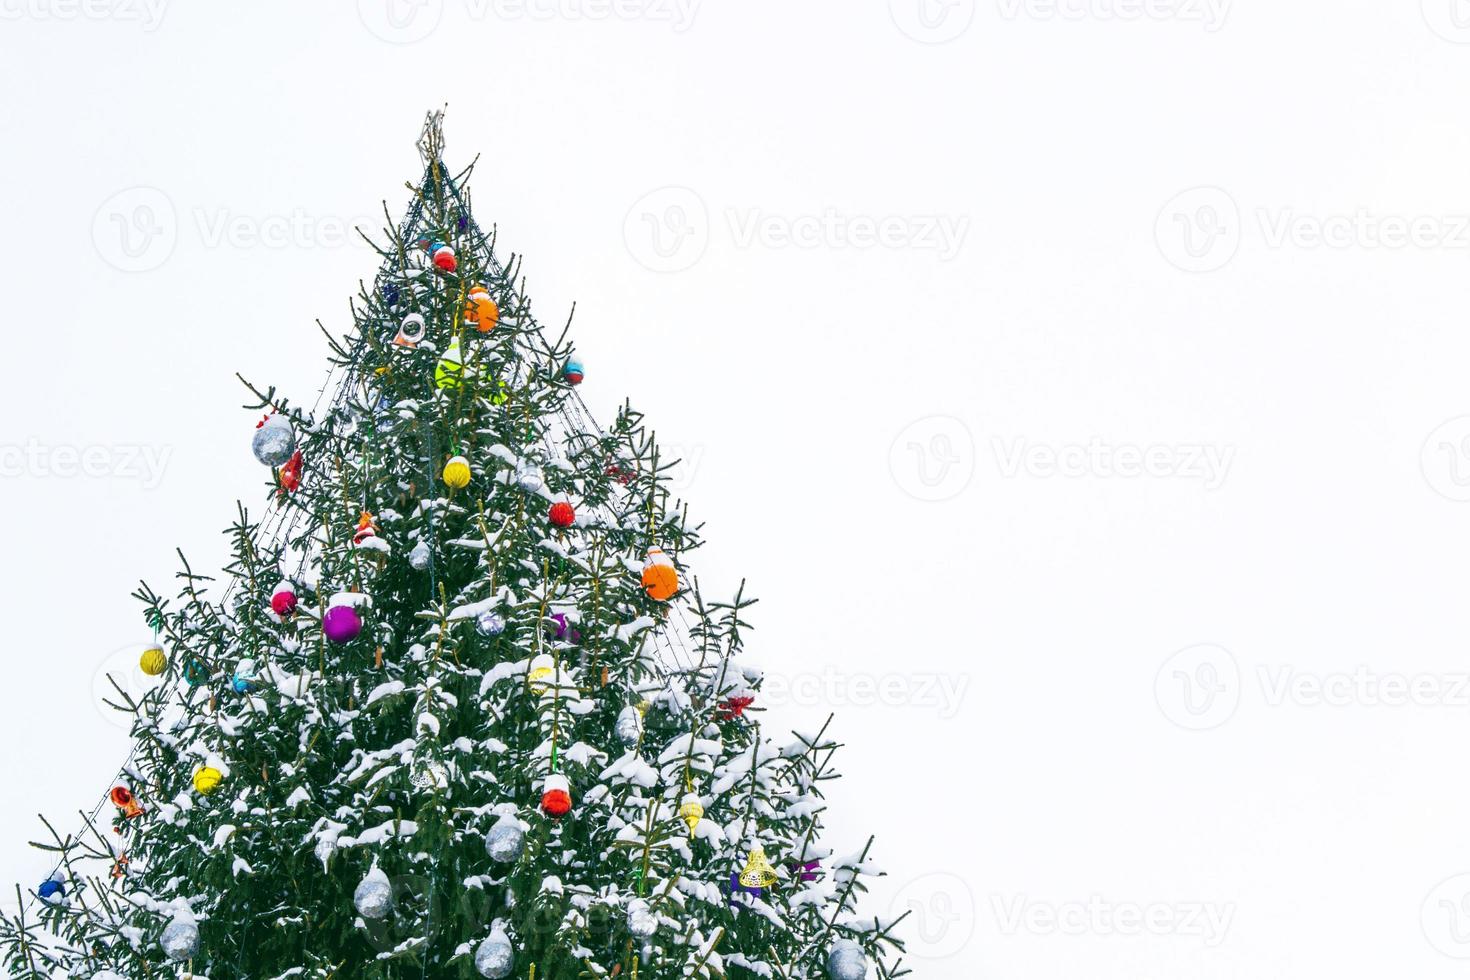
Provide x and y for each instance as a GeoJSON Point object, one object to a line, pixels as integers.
{"type": "Point", "coordinates": [51, 888]}
{"type": "Point", "coordinates": [390, 293]}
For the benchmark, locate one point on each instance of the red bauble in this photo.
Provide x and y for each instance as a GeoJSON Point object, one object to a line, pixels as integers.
{"type": "Point", "coordinates": [444, 259]}
{"type": "Point", "coordinates": [556, 799]}
{"type": "Point", "coordinates": [562, 514]}
{"type": "Point", "coordinates": [557, 803]}
{"type": "Point", "coordinates": [283, 603]}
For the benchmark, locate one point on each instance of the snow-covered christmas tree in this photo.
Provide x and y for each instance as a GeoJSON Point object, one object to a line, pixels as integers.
{"type": "Point", "coordinates": [458, 707]}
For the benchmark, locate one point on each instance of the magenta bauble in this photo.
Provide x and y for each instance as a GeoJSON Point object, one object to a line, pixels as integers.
{"type": "Point", "coordinates": [341, 624]}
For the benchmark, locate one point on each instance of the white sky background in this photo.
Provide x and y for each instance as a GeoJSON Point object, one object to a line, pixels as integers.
{"type": "Point", "coordinates": [1195, 343]}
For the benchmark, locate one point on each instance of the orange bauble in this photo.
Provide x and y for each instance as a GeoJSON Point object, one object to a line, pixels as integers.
{"type": "Point", "coordinates": [483, 312]}
{"type": "Point", "coordinates": [660, 578]}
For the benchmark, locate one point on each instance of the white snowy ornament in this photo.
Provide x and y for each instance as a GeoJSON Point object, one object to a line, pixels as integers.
{"type": "Point", "coordinates": [846, 961]}
{"type": "Point", "coordinates": [495, 958]}
{"type": "Point", "coordinates": [490, 623]}
{"type": "Point", "coordinates": [528, 478]}
{"type": "Point", "coordinates": [629, 728]}
{"type": "Point", "coordinates": [430, 775]}
{"type": "Point", "coordinates": [274, 441]}
{"type": "Point", "coordinates": [180, 939]}
{"type": "Point", "coordinates": [642, 923]}
{"type": "Point", "coordinates": [505, 840]}
{"type": "Point", "coordinates": [419, 557]}
{"type": "Point", "coordinates": [374, 895]}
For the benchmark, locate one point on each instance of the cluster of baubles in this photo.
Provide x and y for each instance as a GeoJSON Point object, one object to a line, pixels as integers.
{"type": "Point", "coordinates": [274, 445]}
{"type": "Point", "coordinates": [443, 257]}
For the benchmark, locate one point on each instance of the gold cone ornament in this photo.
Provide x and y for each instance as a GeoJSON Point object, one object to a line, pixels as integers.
{"type": "Point", "coordinates": [758, 872]}
{"type": "Point", "coordinates": [691, 811]}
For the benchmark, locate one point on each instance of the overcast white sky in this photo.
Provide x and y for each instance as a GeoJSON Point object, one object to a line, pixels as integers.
{"type": "Point", "coordinates": [1081, 384]}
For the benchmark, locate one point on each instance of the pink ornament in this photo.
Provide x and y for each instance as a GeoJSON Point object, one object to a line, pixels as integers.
{"type": "Point", "coordinates": [283, 603]}
{"type": "Point", "coordinates": [341, 624]}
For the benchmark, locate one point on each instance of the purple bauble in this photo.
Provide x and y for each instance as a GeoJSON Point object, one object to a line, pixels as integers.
{"type": "Point", "coordinates": [563, 628]}
{"type": "Point", "coordinates": [341, 624]}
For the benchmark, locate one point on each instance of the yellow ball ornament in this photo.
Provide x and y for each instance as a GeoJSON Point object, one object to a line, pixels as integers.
{"type": "Point", "coordinates": [153, 661]}
{"type": "Point", "coordinates": [457, 473]}
{"type": "Point", "coordinates": [542, 675]}
{"type": "Point", "coordinates": [207, 780]}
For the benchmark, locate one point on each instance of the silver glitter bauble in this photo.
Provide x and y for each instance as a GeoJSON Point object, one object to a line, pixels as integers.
{"type": "Point", "coordinates": [374, 895]}
{"type": "Point", "coordinates": [629, 728]}
{"type": "Point", "coordinates": [505, 840]}
{"type": "Point", "coordinates": [528, 478]}
{"type": "Point", "coordinates": [419, 557]}
{"type": "Point", "coordinates": [180, 940]}
{"type": "Point", "coordinates": [274, 441]}
{"type": "Point", "coordinates": [846, 961]}
{"type": "Point", "coordinates": [641, 920]}
{"type": "Point", "coordinates": [490, 622]}
{"type": "Point", "coordinates": [495, 958]}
